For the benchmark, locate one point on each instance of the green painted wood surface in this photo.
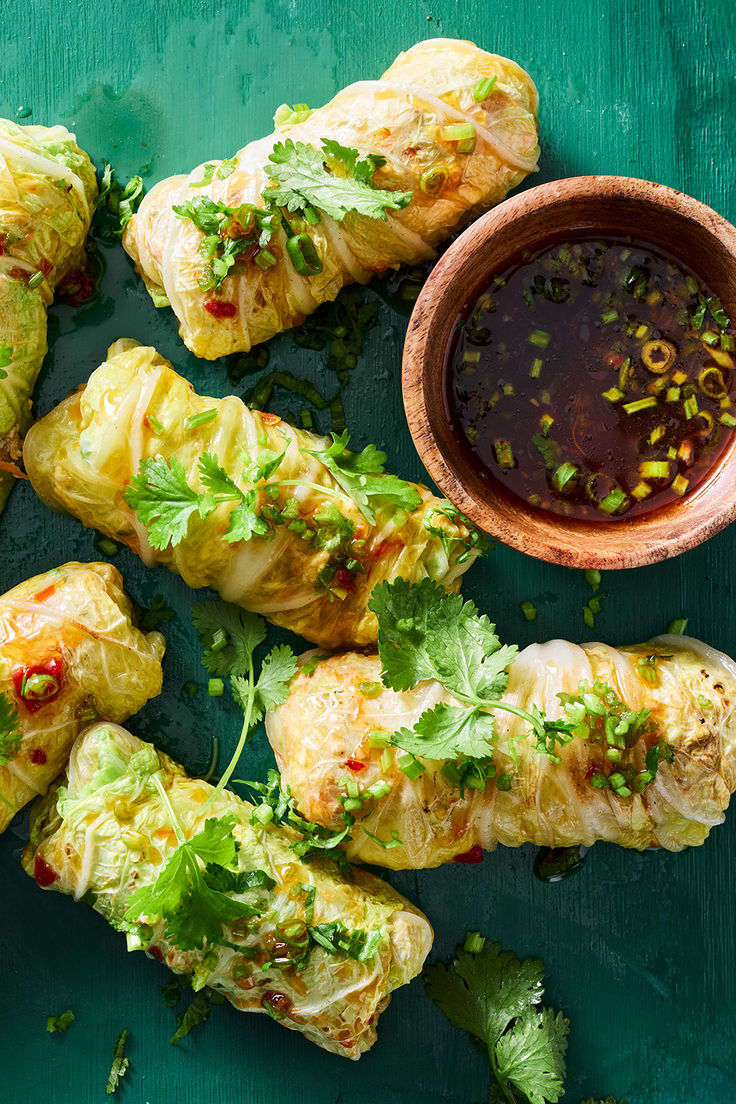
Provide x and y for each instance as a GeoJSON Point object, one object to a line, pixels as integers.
{"type": "Point", "coordinates": [639, 948]}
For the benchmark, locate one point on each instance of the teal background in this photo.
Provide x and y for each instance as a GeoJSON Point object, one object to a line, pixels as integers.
{"type": "Point", "coordinates": [639, 949]}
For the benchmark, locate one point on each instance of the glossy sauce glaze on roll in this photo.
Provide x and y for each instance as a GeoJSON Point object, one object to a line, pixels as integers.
{"type": "Point", "coordinates": [69, 654]}
{"type": "Point", "coordinates": [282, 522]}
{"type": "Point", "coordinates": [318, 949]}
{"type": "Point", "coordinates": [244, 248]}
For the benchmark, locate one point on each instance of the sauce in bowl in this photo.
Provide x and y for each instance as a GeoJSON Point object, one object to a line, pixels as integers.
{"type": "Point", "coordinates": [594, 379]}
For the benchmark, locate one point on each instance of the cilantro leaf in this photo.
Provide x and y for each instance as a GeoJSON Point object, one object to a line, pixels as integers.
{"type": "Point", "coordinates": [118, 200]}
{"type": "Point", "coordinates": [363, 170]}
{"type": "Point", "coordinates": [119, 1063]}
{"type": "Point", "coordinates": [302, 179]}
{"type": "Point", "coordinates": [163, 500]}
{"type": "Point", "coordinates": [237, 881]}
{"type": "Point", "coordinates": [229, 636]}
{"type": "Point", "coordinates": [192, 909]}
{"type": "Point", "coordinates": [157, 612]}
{"type": "Point", "coordinates": [335, 530]}
{"type": "Point", "coordinates": [448, 732]}
{"type": "Point", "coordinates": [196, 1012]}
{"type": "Point", "coordinates": [277, 671]}
{"type": "Point", "coordinates": [362, 476]}
{"type": "Point", "coordinates": [60, 1023]}
{"type": "Point", "coordinates": [264, 465]}
{"type": "Point", "coordinates": [245, 522]}
{"type": "Point", "coordinates": [495, 998]}
{"type": "Point", "coordinates": [531, 1055]}
{"type": "Point", "coordinates": [548, 449]}
{"type": "Point", "coordinates": [10, 735]}
{"type": "Point", "coordinates": [215, 478]}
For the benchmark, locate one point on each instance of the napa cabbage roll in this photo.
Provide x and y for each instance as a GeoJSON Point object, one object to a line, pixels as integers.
{"type": "Point", "coordinates": [287, 524]}
{"type": "Point", "coordinates": [222, 895]}
{"type": "Point", "coordinates": [70, 653]}
{"type": "Point", "coordinates": [249, 246]}
{"type": "Point", "coordinates": [47, 189]}
{"type": "Point", "coordinates": [634, 746]}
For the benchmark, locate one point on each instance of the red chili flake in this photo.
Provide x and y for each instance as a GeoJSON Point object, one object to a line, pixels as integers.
{"type": "Point", "coordinates": [53, 667]}
{"type": "Point", "coordinates": [219, 308]}
{"type": "Point", "coordinates": [370, 1021]}
{"type": "Point", "coordinates": [77, 287]}
{"type": "Point", "coordinates": [3, 243]}
{"type": "Point", "coordinates": [156, 953]}
{"type": "Point", "coordinates": [270, 419]}
{"type": "Point", "coordinates": [344, 579]}
{"type": "Point", "coordinates": [38, 756]}
{"type": "Point", "coordinates": [16, 273]}
{"type": "Point", "coordinates": [44, 874]}
{"type": "Point", "coordinates": [45, 266]}
{"type": "Point", "coordinates": [354, 765]}
{"type": "Point", "coordinates": [474, 855]}
{"type": "Point", "coordinates": [592, 769]}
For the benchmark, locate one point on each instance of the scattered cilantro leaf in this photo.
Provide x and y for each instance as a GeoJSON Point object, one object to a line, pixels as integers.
{"type": "Point", "coordinates": [495, 998]}
{"type": "Point", "coordinates": [548, 449]}
{"type": "Point", "coordinates": [362, 476]}
{"type": "Point", "coordinates": [303, 177]}
{"type": "Point", "coordinates": [157, 612]}
{"type": "Point", "coordinates": [60, 1023]}
{"type": "Point", "coordinates": [229, 233]}
{"type": "Point", "coordinates": [118, 200]}
{"type": "Point", "coordinates": [196, 1012]}
{"type": "Point", "coordinates": [10, 734]}
{"type": "Point", "coordinates": [163, 500]}
{"type": "Point", "coordinates": [120, 1063]}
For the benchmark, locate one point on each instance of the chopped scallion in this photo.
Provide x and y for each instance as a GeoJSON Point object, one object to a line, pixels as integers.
{"type": "Point", "coordinates": [677, 626]}
{"type": "Point", "coordinates": [613, 501]}
{"type": "Point", "coordinates": [529, 610]}
{"type": "Point", "coordinates": [680, 484]}
{"type": "Point", "coordinates": [484, 88]}
{"type": "Point", "coordinates": [640, 404]}
{"type": "Point", "coordinates": [215, 687]}
{"type": "Point", "coordinates": [654, 469]}
{"type": "Point", "coordinates": [536, 368]}
{"type": "Point", "coordinates": [539, 338]}
{"type": "Point", "coordinates": [200, 419]}
{"type": "Point", "coordinates": [504, 454]}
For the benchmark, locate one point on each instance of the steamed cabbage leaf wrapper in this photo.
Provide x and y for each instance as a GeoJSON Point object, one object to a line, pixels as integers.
{"type": "Point", "coordinates": [47, 188]}
{"type": "Point", "coordinates": [311, 546]}
{"type": "Point", "coordinates": [448, 126]}
{"type": "Point", "coordinates": [319, 950]}
{"type": "Point", "coordinates": [69, 653]}
{"type": "Point", "coordinates": [335, 715]}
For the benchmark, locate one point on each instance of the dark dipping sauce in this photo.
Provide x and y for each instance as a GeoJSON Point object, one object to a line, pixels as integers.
{"type": "Point", "coordinates": [594, 379]}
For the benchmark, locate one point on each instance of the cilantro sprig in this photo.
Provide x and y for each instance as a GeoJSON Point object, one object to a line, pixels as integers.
{"type": "Point", "coordinates": [425, 633]}
{"type": "Point", "coordinates": [498, 1000]}
{"type": "Point", "coordinates": [229, 638]}
{"type": "Point", "coordinates": [362, 476]}
{"type": "Point", "coordinates": [118, 201]}
{"type": "Point", "coordinates": [10, 733]}
{"type": "Point", "coordinates": [335, 180]}
{"type": "Point", "coordinates": [229, 233]}
{"type": "Point", "coordinates": [120, 1063]}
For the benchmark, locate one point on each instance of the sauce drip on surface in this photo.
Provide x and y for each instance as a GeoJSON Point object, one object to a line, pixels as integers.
{"type": "Point", "coordinates": [594, 379]}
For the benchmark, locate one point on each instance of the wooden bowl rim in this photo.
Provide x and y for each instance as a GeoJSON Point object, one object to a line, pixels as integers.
{"type": "Point", "coordinates": [645, 539]}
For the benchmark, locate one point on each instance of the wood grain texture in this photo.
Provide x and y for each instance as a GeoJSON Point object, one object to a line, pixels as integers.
{"type": "Point", "coordinates": [639, 949]}
{"type": "Point", "coordinates": [598, 206]}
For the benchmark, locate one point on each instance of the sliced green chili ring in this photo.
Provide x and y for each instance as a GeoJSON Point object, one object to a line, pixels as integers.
{"type": "Point", "coordinates": [294, 932]}
{"type": "Point", "coordinates": [592, 491]}
{"type": "Point", "coordinates": [457, 132]}
{"type": "Point", "coordinates": [264, 258]}
{"type": "Point", "coordinates": [303, 255]}
{"type": "Point", "coordinates": [712, 383]}
{"type": "Point", "coordinates": [614, 501]}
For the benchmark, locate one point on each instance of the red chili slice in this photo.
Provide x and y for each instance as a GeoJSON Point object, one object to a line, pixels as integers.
{"type": "Point", "coordinates": [220, 309]}
{"type": "Point", "coordinates": [474, 855]}
{"type": "Point", "coordinates": [156, 953]}
{"type": "Point", "coordinates": [38, 756]}
{"type": "Point", "coordinates": [44, 874]}
{"type": "Point", "coordinates": [344, 579]}
{"type": "Point", "coordinates": [354, 765]}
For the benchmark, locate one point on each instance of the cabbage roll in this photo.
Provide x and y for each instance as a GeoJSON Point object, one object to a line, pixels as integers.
{"type": "Point", "coordinates": [319, 950]}
{"type": "Point", "coordinates": [69, 654]}
{"type": "Point", "coordinates": [310, 535]}
{"type": "Point", "coordinates": [47, 188]}
{"type": "Point", "coordinates": [244, 248]}
{"type": "Point", "coordinates": [328, 745]}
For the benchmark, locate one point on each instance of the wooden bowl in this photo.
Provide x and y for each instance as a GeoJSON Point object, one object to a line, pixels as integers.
{"type": "Point", "coordinates": [596, 206]}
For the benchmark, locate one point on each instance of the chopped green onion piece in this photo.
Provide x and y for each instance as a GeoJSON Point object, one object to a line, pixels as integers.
{"type": "Point", "coordinates": [613, 501]}
{"type": "Point", "coordinates": [710, 337]}
{"type": "Point", "coordinates": [539, 338]}
{"type": "Point", "coordinates": [503, 782]}
{"type": "Point", "coordinates": [588, 616]}
{"type": "Point", "coordinates": [728, 343]}
{"type": "Point", "coordinates": [529, 610]}
{"type": "Point", "coordinates": [613, 394]}
{"type": "Point", "coordinates": [471, 358]}
{"type": "Point", "coordinates": [504, 455]}
{"type": "Point", "coordinates": [106, 546]}
{"type": "Point", "coordinates": [303, 255]}
{"type": "Point", "coordinates": [35, 280]}
{"type": "Point", "coordinates": [536, 368]}
{"type": "Point", "coordinates": [690, 406]}
{"type": "Point", "coordinates": [623, 373]}
{"type": "Point", "coordinates": [370, 689]}
{"type": "Point", "coordinates": [609, 316]}
{"type": "Point", "coordinates": [640, 404]}
{"type": "Point", "coordinates": [703, 702]}
{"type": "Point", "coordinates": [565, 474]}
{"type": "Point", "coordinates": [378, 739]}
{"type": "Point", "coordinates": [680, 484]}
{"type": "Point", "coordinates": [263, 814]}
{"type": "Point", "coordinates": [727, 420]}
{"type": "Point", "coordinates": [155, 425]}
{"type": "Point", "coordinates": [677, 626]}
{"type": "Point", "coordinates": [434, 180]}
{"type": "Point", "coordinates": [264, 258]}
{"type": "Point", "coordinates": [466, 146]}
{"type": "Point", "coordinates": [593, 578]}
{"type": "Point", "coordinates": [655, 469]}
{"type": "Point", "coordinates": [410, 765]}
{"type": "Point", "coordinates": [484, 88]}
{"type": "Point", "coordinates": [673, 394]}
{"type": "Point", "coordinates": [190, 689]}
{"type": "Point", "coordinates": [386, 760]}
{"type": "Point", "coordinates": [457, 132]}
{"type": "Point", "coordinates": [215, 687]}
{"type": "Point", "coordinates": [657, 434]}
{"type": "Point", "coordinates": [201, 419]}
{"type": "Point", "coordinates": [641, 491]}
{"type": "Point", "coordinates": [474, 943]}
